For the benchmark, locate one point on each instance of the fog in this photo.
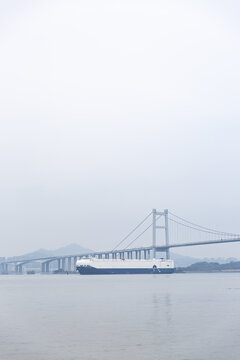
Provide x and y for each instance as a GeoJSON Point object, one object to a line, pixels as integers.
{"type": "Point", "coordinates": [112, 108]}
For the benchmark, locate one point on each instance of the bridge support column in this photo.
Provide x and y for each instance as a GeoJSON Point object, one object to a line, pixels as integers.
{"type": "Point", "coordinates": [63, 264]}
{"type": "Point", "coordinates": [47, 267]}
{"type": "Point", "coordinates": [69, 264]}
{"type": "Point", "coordinates": [74, 262]}
{"type": "Point", "coordinates": [58, 264]}
{"type": "Point", "coordinates": [2, 268]}
{"type": "Point", "coordinates": [43, 267]}
{"type": "Point", "coordinates": [154, 212]}
{"type": "Point", "coordinates": [166, 233]}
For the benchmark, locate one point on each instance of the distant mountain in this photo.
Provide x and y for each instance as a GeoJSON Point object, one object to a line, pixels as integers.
{"type": "Point", "coordinates": [221, 260]}
{"type": "Point", "coordinates": [71, 249]}
{"type": "Point", "coordinates": [183, 261]}
{"type": "Point", "coordinates": [211, 267]}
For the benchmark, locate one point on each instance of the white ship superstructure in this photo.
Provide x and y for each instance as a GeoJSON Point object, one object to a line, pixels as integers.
{"type": "Point", "coordinates": [93, 266]}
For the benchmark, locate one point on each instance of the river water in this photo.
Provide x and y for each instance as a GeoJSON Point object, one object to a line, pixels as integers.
{"type": "Point", "coordinates": [166, 317]}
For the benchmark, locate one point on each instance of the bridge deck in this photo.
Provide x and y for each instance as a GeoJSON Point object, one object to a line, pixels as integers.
{"type": "Point", "coordinates": [97, 253]}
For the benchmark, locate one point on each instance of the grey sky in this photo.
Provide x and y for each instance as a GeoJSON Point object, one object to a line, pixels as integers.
{"type": "Point", "coordinates": [111, 108]}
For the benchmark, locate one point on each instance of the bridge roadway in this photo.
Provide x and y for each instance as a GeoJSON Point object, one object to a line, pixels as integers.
{"type": "Point", "coordinates": [67, 262]}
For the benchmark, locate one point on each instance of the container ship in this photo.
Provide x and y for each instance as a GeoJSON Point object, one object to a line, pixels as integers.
{"type": "Point", "coordinates": [93, 266]}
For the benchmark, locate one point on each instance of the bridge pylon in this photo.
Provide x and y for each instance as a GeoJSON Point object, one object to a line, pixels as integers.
{"type": "Point", "coordinates": [156, 215]}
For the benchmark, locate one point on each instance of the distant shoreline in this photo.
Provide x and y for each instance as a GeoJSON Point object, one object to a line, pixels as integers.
{"type": "Point", "coordinates": [210, 267]}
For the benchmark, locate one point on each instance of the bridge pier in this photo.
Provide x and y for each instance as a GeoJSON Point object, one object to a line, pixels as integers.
{"type": "Point", "coordinates": [4, 268]}
{"type": "Point", "coordinates": [18, 269]}
{"type": "Point", "coordinates": [69, 264]}
{"type": "Point", "coordinates": [45, 267]}
{"type": "Point", "coordinates": [63, 263]}
{"type": "Point", "coordinates": [58, 264]}
{"type": "Point", "coordinates": [74, 262]}
{"type": "Point", "coordinates": [166, 233]}
{"type": "Point", "coordinates": [156, 213]}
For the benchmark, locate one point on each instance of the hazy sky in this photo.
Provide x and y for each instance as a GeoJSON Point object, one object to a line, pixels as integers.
{"type": "Point", "coordinates": [112, 108]}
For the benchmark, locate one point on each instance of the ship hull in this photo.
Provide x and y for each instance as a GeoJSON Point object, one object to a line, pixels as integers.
{"type": "Point", "coordinates": [90, 270]}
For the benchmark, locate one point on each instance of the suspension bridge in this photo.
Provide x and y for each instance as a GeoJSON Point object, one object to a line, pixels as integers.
{"type": "Point", "coordinates": [168, 230]}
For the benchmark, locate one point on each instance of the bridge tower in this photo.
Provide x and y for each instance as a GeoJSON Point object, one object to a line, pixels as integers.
{"type": "Point", "coordinates": [156, 215]}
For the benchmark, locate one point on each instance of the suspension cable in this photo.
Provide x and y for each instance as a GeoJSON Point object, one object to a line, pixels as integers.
{"type": "Point", "coordinates": [203, 227]}
{"type": "Point", "coordinates": [131, 232]}
{"type": "Point", "coordinates": [201, 230]}
{"type": "Point", "coordinates": [141, 234]}
{"type": "Point", "coordinates": [137, 237]}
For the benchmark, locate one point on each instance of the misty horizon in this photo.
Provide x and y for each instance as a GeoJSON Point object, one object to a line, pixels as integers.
{"type": "Point", "coordinates": [102, 121]}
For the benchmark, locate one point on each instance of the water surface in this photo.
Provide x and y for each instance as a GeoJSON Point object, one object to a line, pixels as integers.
{"type": "Point", "coordinates": [166, 317]}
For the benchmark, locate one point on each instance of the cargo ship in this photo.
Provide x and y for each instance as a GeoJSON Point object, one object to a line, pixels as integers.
{"type": "Point", "coordinates": [94, 266]}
